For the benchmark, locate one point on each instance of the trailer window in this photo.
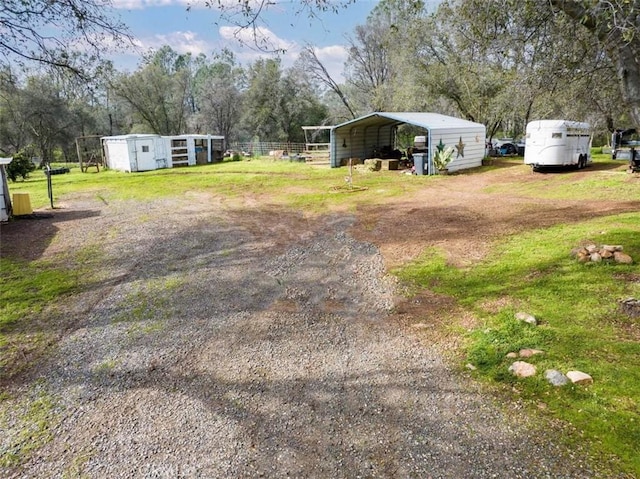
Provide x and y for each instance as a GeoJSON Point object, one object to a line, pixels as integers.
{"type": "Point", "coordinates": [145, 148]}
{"type": "Point", "coordinates": [556, 135]}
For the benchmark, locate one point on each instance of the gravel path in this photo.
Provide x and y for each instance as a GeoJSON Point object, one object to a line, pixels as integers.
{"type": "Point", "coordinates": [208, 349]}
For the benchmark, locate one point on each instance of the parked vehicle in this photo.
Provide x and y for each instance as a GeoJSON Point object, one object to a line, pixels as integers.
{"type": "Point", "coordinates": [625, 145]}
{"type": "Point", "coordinates": [557, 143]}
{"type": "Point", "coordinates": [508, 149]}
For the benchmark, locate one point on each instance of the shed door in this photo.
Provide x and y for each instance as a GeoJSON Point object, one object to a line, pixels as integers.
{"type": "Point", "coordinates": [145, 154]}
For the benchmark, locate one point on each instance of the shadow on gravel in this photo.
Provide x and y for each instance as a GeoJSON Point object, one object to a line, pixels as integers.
{"type": "Point", "coordinates": [28, 237]}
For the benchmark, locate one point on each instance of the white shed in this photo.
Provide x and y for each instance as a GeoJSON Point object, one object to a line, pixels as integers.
{"type": "Point", "coordinates": [361, 137]}
{"type": "Point", "coordinates": [5, 199]}
{"type": "Point", "coordinates": [152, 152]}
{"type": "Point", "coordinates": [135, 152]}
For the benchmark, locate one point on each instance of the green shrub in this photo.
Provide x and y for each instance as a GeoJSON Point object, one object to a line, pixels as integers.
{"type": "Point", "coordinates": [20, 166]}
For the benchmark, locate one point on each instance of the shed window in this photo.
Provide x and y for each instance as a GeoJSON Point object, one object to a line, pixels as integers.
{"type": "Point", "coordinates": [145, 148]}
{"type": "Point", "coordinates": [556, 135]}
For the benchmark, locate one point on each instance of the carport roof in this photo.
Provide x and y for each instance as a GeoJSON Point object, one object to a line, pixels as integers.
{"type": "Point", "coordinates": [421, 119]}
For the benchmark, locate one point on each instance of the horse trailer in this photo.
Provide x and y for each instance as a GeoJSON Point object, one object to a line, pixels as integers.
{"type": "Point", "coordinates": [557, 143]}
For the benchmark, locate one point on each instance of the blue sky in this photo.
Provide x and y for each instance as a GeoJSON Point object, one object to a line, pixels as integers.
{"type": "Point", "coordinates": [199, 29]}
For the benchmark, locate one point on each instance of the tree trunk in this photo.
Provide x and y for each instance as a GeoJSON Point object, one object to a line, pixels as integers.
{"type": "Point", "coordinates": [627, 62]}
{"type": "Point", "coordinates": [623, 52]}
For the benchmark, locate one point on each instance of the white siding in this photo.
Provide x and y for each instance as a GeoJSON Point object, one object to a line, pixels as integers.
{"type": "Point", "coordinates": [117, 154]}
{"type": "Point", "coordinates": [470, 154]}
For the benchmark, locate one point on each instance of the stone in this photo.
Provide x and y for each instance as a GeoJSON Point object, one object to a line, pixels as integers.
{"type": "Point", "coordinates": [526, 317]}
{"type": "Point", "coordinates": [555, 377]}
{"type": "Point", "coordinates": [595, 257]}
{"type": "Point", "coordinates": [583, 257]}
{"type": "Point", "coordinates": [512, 355]}
{"type": "Point", "coordinates": [579, 251]}
{"type": "Point", "coordinates": [578, 377]}
{"type": "Point", "coordinates": [522, 369]}
{"type": "Point", "coordinates": [591, 248]}
{"type": "Point", "coordinates": [527, 353]}
{"type": "Point", "coordinates": [631, 307]}
{"type": "Point", "coordinates": [471, 367]}
{"type": "Point", "coordinates": [622, 258]}
{"type": "Point", "coordinates": [612, 248]}
{"type": "Point", "coordinates": [606, 254]}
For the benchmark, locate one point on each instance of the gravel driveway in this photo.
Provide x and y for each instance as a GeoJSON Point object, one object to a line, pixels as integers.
{"type": "Point", "coordinates": [216, 346]}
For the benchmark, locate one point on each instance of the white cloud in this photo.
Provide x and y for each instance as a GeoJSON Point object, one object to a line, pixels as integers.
{"type": "Point", "coordinates": [142, 4]}
{"type": "Point", "coordinates": [181, 42]}
{"type": "Point", "coordinates": [260, 38]}
{"type": "Point", "coordinates": [229, 5]}
{"type": "Point", "coordinates": [333, 58]}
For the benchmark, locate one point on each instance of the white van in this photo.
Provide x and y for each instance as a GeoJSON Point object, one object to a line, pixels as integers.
{"type": "Point", "coordinates": [552, 143]}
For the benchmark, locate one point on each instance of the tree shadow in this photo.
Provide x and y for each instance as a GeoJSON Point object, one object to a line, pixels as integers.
{"type": "Point", "coordinates": [26, 238]}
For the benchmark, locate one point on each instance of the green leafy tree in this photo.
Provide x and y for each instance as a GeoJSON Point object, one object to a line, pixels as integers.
{"type": "Point", "coordinates": [158, 92]}
{"type": "Point", "coordinates": [218, 89]}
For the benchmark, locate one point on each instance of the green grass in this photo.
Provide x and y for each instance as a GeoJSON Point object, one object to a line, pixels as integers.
{"type": "Point", "coordinates": [292, 184]}
{"type": "Point", "coordinates": [605, 179]}
{"type": "Point", "coordinates": [26, 289]}
{"type": "Point", "coordinates": [27, 430]}
{"type": "Point", "coordinates": [581, 326]}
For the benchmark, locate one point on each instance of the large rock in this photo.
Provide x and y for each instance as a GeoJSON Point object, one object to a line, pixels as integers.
{"type": "Point", "coordinates": [555, 377]}
{"type": "Point", "coordinates": [522, 369]}
{"type": "Point", "coordinates": [623, 258]}
{"type": "Point", "coordinates": [583, 257]}
{"type": "Point", "coordinates": [527, 318]}
{"type": "Point", "coordinates": [578, 377]}
{"type": "Point", "coordinates": [527, 353]}
{"type": "Point", "coordinates": [596, 257]}
{"type": "Point", "coordinates": [606, 254]}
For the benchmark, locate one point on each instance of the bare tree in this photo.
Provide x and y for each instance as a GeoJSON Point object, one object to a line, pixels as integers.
{"type": "Point", "coordinates": [317, 71]}
{"type": "Point", "coordinates": [42, 31]}
{"type": "Point", "coordinates": [248, 15]}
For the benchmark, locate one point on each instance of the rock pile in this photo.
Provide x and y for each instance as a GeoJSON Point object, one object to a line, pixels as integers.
{"type": "Point", "coordinates": [523, 369]}
{"type": "Point", "coordinates": [596, 254]}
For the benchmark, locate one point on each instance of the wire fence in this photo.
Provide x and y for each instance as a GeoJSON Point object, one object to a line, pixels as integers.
{"type": "Point", "coordinates": [262, 148]}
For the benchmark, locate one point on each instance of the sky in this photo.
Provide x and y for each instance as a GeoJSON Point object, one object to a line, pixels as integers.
{"type": "Point", "coordinates": [188, 26]}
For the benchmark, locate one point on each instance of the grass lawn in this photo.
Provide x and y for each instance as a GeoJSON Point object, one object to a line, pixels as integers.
{"type": "Point", "coordinates": [580, 323]}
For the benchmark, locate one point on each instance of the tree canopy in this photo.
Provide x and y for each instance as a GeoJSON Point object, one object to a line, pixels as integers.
{"type": "Point", "coordinates": [499, 62]}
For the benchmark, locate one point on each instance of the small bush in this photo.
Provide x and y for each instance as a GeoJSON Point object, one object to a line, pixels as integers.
{"type": "Point", "coordinates": [20, 166]}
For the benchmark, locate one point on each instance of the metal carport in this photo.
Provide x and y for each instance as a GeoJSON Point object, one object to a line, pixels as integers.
{"type": "Point", "coordinates": [361, 137]}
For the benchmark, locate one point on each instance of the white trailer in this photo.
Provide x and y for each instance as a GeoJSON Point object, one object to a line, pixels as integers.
{"type": "Point", "coordinates": [554, 143]}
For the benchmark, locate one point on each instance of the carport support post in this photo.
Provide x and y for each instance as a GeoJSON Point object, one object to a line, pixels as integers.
{"type": "Point", "coordinates": [429, 153]}
{"type": "Point", "coordinates": [49, 184]}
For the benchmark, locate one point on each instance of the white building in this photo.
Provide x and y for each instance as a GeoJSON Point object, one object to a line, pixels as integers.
{"type": "Point", "coordinates": [362, 137]}
{"type": "Point", "coordinates": [151, 152]}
